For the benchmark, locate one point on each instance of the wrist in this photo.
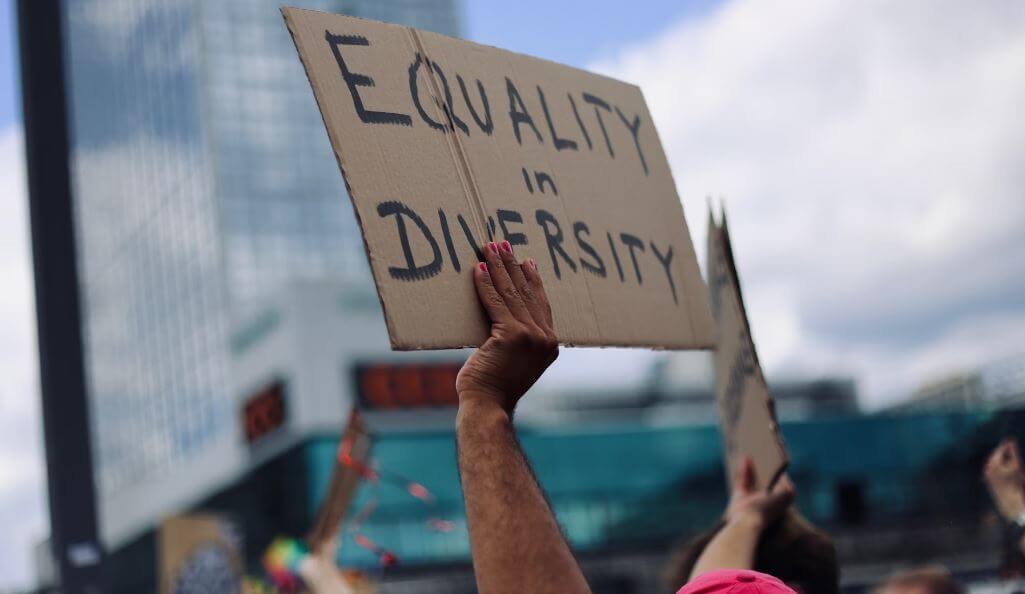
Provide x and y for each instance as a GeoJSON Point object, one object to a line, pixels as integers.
{"type": "Point", "coordinates": [480, 409]}
{"type": "Point", "coordinates": [1011, 505]}
{"type": "Point", "coordinates": [748, 521]}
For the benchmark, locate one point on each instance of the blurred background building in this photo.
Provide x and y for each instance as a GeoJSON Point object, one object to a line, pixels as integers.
{"type": "Point", "coordinates": [202, 183]}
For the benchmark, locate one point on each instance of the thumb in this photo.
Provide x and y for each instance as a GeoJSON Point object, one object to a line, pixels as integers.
{"type": "Point", "coordinates": [783, 494]}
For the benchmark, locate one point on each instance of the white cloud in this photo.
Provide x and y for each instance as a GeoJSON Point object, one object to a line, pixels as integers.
{"type": "Point", "coordinates": [871, 155]}
{"type": "Point", "coordinates": [22, 479]}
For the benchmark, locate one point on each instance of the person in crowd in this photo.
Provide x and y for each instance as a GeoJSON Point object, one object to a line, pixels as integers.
{"type": "Point", "coordinates": [1004, 475]}
{"type": "Point", "coordinates": [933, 579]}
{"type": "Point", "coordinates": [762, 531]}
{"type": "Point", "coordinates": [515, 541]}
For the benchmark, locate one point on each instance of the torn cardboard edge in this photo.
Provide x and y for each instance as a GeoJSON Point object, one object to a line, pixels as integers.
{"type": "Point", "coordinates": [354, 446]}
{"type": "Point", "coordinates": [762, 439]}
{"type": "Point", "coordinates": [695, 315]}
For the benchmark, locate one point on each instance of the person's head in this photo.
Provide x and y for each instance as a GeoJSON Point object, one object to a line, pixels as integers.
{"type": "Point", "coordinates": [925, 580]}
{"type": "Point", "coordinates": [735, 581]}
{"type": "Point", "coordinates": [791, 549]}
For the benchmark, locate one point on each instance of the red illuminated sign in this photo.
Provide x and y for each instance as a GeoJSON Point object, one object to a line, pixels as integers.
{"type": "Point", "coordinates": [264, 412]}
{"type": "Point", "coordinates": [388, 386]}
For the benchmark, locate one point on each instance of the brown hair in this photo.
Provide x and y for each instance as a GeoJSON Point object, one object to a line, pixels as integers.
{"type": "Point", "coordinates": [791, 549]}
{"type": "Point", "coordinates": [934, 579]}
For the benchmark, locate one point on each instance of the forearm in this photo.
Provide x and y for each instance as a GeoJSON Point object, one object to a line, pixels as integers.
{"type": "Point", "coordinates": [732, 548]}
{"type": "Point", "coordinates": [515, 541]}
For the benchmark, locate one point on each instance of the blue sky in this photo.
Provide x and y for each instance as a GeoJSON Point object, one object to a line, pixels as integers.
{"type": "Point", "coordinates": [574, 32]}
{"type": "Point", "coordinates": [10, 109]}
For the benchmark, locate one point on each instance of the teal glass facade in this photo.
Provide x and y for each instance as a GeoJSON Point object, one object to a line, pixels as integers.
{"type": "Point", "coordinates": [633, 487]}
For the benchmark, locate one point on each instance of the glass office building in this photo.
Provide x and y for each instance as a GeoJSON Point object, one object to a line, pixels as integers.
{"type": "Point", "coordinates": [202, 178]}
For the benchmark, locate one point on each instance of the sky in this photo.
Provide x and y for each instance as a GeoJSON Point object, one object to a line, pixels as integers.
{"type": "Point", "coordinates": [870, 155]}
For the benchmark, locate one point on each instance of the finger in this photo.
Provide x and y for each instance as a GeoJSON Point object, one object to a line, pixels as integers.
{"type": "Point", "coordinates": [504, 285]}
{"type": "Point", "coordinates": [746, 477]}
{"type": "Point", "coordinates": [784, 484]}
{"type": "Point", "coordinates": [1015, 454]}
{"type": "Point", "coordinates": [537, 288]}
{"type": "Point", "coordinates": [782, 495]}
{"type": "Point", "coordinates": [519, 281]}
{"type": "Point", "coordinates": [998, 455]}
{"type": "Point", "coordinates": [489, 297]}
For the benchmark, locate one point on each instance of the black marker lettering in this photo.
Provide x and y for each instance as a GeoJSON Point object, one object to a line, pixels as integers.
{"type": "Point", "coordinates": [580, 122]}
{"type": "Point", "coordinates": [615, 257]}
{"type": "Point", "coordinates": [542, 178]}
{"type": "Point", "coordinates": [554, 240]}
{"type": "Point", "coordinates": [718, 282]}
{"type": "Point", "coordinates": [450, 111]}
{"type": "Point", "coordinates": [634, 127]}
{"type": "Point", "coordinates": [414, 92]}
{"type": "Point", "coordinates": [491, 228]}
{"type": "Point", "coordinates": [487, 125]}
{"type": "Point", "coordinates": [518, 112]}
{"type": "Point", "coordinates": [599, 103]}
{"type": "Point", "coordinates": [448, 240]}
{"type": "Point", "coordinates": [511, 216]}
{"type": "Point", "coordinates": [526, 180]}
{"type": "Point", "coordinates": [560, 143]}
{"type": "Point", "coordinates": [666, 260]}
{"type": "Point", "coordinates": [634, 243]}
{"type": "Point", "coordinates": [411, 272]}
{"type": "Point", "coordinates": [470, 239]}
{"type": "Point", "coordinates": [354, 80]}
{"type": "Point", "coordinates": [597, 269]}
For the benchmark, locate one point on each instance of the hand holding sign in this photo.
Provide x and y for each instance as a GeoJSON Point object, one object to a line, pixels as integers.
{"type": "Point", "coordinates": [522, 343]}
{"type": "Point", "coordinates": [754, 505]}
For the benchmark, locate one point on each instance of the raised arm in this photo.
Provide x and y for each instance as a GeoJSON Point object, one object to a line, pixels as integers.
{"type": "Point", "coordinates": [1005, 477]}
{"type": "Point", "coordinates": [749, 512]}
{"type": "Point", "coordinates": [515, 541]}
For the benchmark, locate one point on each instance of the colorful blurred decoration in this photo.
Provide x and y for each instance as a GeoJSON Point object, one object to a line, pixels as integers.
{"type": "Point", "coordinates": [386, 557]}
{"type": "Point", "coordinates": [284, 556]}
{"type": "Point", "coordinates": [282, 561]}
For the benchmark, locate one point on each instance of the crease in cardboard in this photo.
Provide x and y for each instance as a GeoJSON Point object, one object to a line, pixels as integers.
{"type": "Point", "coordinates": [471, 191]}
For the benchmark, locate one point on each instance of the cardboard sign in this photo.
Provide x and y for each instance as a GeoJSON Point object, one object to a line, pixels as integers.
{"type": "Point", "coordinates": [446, 144]}
{"type": "Point", "coordinates": [746, 410]}
{"type": "Point", "coordinates": [199, 553]}
{"type": "Point", "coordinates": [350, 469]}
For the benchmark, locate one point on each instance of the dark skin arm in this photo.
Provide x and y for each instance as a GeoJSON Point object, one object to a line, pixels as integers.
{"type": "Point", "coordinates": [515, 541]}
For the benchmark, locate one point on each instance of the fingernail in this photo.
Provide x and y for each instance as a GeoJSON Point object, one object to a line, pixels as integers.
{"type": "Point", "coordinates": [507, 247]}
{"type": "Point", "coordinates": [483, 267]}
{"type": "Point", "coordinates": [493, 247]}
{"type": "Point", "coordinates": [533, 264]}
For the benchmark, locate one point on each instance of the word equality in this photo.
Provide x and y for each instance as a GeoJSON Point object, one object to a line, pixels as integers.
{"type": "Point", "coordinates": [621, 259]}
{"type": "Point", "coordinates": [584, 130]}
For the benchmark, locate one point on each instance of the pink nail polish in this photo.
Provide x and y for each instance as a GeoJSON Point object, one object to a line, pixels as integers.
{"type": "Point", "coordinates": [533, 264]}
{"type": "Point", "coordinates": [493, 247]}
{"type": "Point", "coordinates": [483, 267]}
{"type": "Point", "coordinates": [507, 247]}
